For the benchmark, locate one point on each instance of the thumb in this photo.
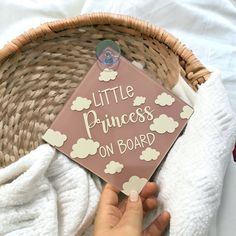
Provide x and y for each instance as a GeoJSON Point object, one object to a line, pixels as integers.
{"type": "Point", "coordinates": [132, 218]}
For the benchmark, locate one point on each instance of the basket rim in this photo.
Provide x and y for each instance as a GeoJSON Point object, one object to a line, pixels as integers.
{"type": "Point", "coordinates": [195, 70]}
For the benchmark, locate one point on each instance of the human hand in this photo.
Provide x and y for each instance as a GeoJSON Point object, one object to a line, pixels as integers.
{"type": "Point", "coordinates": [126, 218]}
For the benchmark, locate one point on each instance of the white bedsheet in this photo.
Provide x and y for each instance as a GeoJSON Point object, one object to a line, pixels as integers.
{"type": "Point", "coordinates": [207, 27]}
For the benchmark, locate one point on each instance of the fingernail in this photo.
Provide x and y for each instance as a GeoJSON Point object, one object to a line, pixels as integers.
{"type": "Point", "coordinates": [133, 196]}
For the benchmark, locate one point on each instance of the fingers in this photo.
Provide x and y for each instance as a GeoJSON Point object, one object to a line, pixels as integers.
{"type": "Point", "coordinates": [150, 204]}
{"type": "Point", "coordinates": [149, 190]}
{"type": "Point", "coordinates": [158, 226]}
{"type": "Point", "coordinates": [132, 218]}
{"type": "Point", "coordinates": [148, 197]}
{"type": "Point", "coordinates": [109, 195]}
{"type": "Point", "coordinates": [108, 215]}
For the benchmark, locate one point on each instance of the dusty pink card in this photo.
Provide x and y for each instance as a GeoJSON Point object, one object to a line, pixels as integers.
{"type": "Point", "coordinates": [119, 125]}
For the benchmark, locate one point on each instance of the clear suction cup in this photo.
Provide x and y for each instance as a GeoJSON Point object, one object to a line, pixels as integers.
{"type": "Point", "coordinates": [108, 54]}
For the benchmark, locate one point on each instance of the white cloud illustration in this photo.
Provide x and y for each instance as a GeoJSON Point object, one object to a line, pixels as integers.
{"type": "Point", "coordinates": [134, 183]}
{"type": "Point", "coordinates": [83, 148]}
{"type": "Point", "coordinates": [139, 100]}
{"type": "Point", "coordinates": [164, 124]}
{"type": "Point", "coordinates": [164, 100]}
{"type": "Point", "coordinates": [80, 104]}
{"type": "Point", "coordinates": [149, 154]}
{"type": "Point", "coordinates": [113, 167]}
{"type": "Point", "coordinates": [138, 64]}
{"type": "Point", "coordinates": [107, 75]}
{"type": "Point", "coordinates": [55, 138]}
{"type": "Point", "coordinates": [186, 112]}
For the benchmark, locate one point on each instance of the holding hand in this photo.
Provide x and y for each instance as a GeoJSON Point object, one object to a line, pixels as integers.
{"type": "Point", "coordinates": [126, 218]}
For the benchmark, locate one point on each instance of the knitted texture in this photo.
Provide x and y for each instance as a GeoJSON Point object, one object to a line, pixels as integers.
{"type": "Point", "coordinates": [192, 176]}
{"type": "Point", "coordinates": [45, 193]}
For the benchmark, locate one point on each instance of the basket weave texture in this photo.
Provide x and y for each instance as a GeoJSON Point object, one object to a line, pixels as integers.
{"type": "Point", "coordinates": [40, 69]}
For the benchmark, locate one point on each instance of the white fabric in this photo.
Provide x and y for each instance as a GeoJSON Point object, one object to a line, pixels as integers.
{"type": "Point", "coordinates": [20, 16]}
{"type": "Point", "coordinates": [44, 193]}
{"type": "Point", "coordinates": [184, 91]}
{"type": "Point", "coordinates": [191, 178]}
{"type": "Point", "coordinates": [207, 27]}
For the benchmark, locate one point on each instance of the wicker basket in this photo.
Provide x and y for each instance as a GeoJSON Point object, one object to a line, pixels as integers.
{"type": "Point", "coordinates": [40, 69]}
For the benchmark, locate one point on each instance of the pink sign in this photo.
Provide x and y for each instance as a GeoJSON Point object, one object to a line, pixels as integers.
{"type": "Point", "coordinates": [119, 125]}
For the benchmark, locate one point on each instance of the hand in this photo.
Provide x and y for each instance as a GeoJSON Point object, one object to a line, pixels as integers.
{"type": "Point", "coordinates": [126, 218]}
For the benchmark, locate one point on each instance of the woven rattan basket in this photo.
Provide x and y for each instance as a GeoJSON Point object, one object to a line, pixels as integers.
{"type": "Point", "coordinates": [40, 69]}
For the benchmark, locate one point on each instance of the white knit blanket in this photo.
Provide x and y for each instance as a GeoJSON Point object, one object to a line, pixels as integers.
{"type": "Point", "coordinates": [44, 193]}
{"type": "Point", "coordinates": [191, 178]}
